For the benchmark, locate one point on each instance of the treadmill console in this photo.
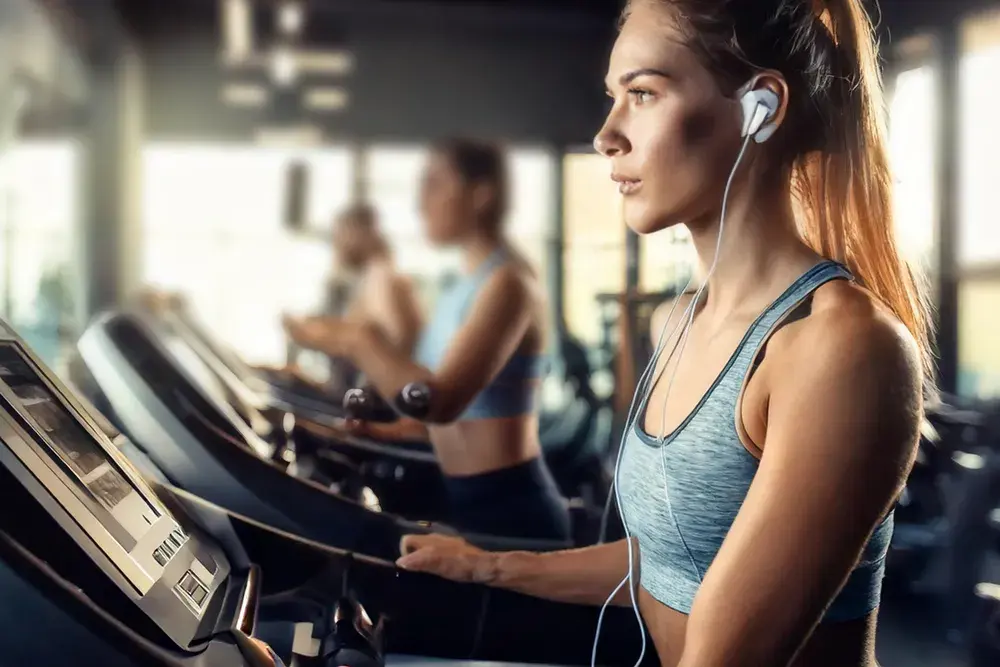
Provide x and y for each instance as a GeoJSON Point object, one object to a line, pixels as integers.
{"type": "Point", "coordinates": [59, 453]}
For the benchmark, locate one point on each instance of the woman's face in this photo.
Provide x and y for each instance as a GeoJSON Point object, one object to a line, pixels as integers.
{"type": "Point", "coordinates": [445, 202]}
{"type": "Point", "coordinates": [352, 243]}
{"type": "Point", "coordinates": [672, 136]}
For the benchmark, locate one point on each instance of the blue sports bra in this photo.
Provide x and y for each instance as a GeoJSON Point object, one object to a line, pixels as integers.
{"type": "Point", "coordinates": [681, 521]}
{"type": "Point", "coordinates": [512, 392]}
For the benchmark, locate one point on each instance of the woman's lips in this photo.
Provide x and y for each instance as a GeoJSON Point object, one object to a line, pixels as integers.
{"type": "Point", "coordinates": [626, 184]}
{"type": "Point", "coordinates": [629, 187]}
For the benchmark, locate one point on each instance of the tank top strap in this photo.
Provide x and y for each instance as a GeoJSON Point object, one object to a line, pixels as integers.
{"type": "Point", "coordinates": [796, 293]}
{"type": "Point", "coordinates": [452, 308]}
{"type": "Point", "coordinates": [496, 259]}
{"type": "Point", "coordinates": [470, 285]}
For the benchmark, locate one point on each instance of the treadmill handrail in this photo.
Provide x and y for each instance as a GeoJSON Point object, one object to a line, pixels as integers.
{"type": "Point", "coordinates": [232, 381]}
{"type": "Point", "coordinates": [198, 501]}
{"type": "Point", "coordinates": [375, 446]}
{"type": "Point", "coordinates": [156, 332]}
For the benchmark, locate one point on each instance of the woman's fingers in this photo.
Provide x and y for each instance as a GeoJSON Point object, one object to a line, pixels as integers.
{"type": "Point", "coordinates": [411, 543]}
{"type": "Point", "coordinates": [356, 427]}
{"type": "Point", "coordinates": [422, 560]}
{"type": "Point", "coordinates": [265, 651]}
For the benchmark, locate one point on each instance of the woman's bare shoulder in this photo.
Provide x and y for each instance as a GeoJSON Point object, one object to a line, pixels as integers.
{"type": "Point", "coordinates": [849, 330]}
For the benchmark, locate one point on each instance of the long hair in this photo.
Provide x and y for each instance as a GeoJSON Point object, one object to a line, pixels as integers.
{"type": "Point", "coordinates": [834, 140]}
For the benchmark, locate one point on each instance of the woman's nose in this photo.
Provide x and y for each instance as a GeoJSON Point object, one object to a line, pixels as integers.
{"type": "Point", "coordinates": [610, 142]}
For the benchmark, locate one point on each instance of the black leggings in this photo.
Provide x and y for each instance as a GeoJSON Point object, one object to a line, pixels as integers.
{"type": "Point", "coordinates": [522, 501]}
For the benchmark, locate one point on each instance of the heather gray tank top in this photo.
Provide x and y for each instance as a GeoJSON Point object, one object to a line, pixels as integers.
{"type": "Point", "coordinates": [681, 495]}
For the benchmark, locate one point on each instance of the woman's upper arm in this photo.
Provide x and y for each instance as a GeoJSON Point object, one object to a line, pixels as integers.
{"type": "Point", "coordinates": [842, 427]}
{"type": "Point", "coordinates": [490, 335]}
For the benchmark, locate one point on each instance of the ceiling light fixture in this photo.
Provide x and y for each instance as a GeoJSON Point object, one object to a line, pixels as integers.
{"type": "Point", "coordinates": [290, 18]}
{"type": "Point", "coordinates": [326, 99]}
{"type": "Point", "coordinates": [325, 62]}
{"type": "Point", "coordinates": [284, 66]}
{"type": "Point", "coordinates": [237, 30]}
{"type": "Point", "coordinates": [245, 95]}
{"type": "Point", "coordinates": [300, 135]}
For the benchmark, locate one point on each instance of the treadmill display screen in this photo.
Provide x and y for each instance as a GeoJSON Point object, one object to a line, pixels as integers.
{"type": "Point", "coordinates": [75, 446]}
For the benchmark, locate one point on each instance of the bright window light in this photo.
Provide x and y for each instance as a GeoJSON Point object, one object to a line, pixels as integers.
{"type": "Point", "coordinates": [979, 233]}
{"type": "Point", "coordinates": [912, 143]}
{"type": "Point", "coordinates": [212, 229]}
{"type": "Point", "coordinates": [39, 242]}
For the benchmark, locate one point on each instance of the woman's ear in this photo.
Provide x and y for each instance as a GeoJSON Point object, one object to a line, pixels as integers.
{"type": "Point", "coordinates": [775, 82]}
{"type": "Point", "coordinates": [483, 197]}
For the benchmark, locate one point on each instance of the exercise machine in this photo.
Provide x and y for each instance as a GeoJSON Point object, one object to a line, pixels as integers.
{"type": "Point", "coordinates": [161, 396]}
{"type": "Point", "coordinates": [101, 566]}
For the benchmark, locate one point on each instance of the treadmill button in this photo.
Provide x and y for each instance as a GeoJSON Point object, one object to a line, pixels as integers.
{"type": "Point", "coordinates": [160, 557]}
{"type": "Point", "coordinates": [188, 583]}
{"type": "Point", "coordinates": [199, 594]}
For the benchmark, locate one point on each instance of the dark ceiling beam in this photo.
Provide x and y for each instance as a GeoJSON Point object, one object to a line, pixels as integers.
{"type": "Point", "coordinates": [162, 19]}
{"type": "Point", "coordinates": [545, 15]}
{"type": "Point", "coordinates": [903, 18]}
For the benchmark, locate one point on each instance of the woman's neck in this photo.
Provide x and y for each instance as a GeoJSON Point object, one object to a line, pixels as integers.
{"type": "Point", "coordinates": [478, 248]}
{"type": "Point", "coordinates": [761, 251]}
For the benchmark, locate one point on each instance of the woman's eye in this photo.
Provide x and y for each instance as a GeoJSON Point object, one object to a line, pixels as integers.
{"type": "Point", "coordinates": [640, 96]}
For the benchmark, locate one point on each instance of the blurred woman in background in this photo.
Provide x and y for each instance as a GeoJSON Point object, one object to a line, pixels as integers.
{"type": "Point", "coordinates": [481, 356]}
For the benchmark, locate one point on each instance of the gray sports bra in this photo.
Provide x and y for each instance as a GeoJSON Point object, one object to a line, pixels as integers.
{"type": "Point", "coordinates": [708, 473]}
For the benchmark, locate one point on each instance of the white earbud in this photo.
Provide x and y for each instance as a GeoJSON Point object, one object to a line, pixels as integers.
{"type": "Point", "coordinates": [759, 107]}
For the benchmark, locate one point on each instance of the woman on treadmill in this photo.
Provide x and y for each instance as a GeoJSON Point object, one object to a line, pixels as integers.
{"type": "Point", "coordinates": [481, 357]}
{"type": "Point", "coordinates": [780, 416]}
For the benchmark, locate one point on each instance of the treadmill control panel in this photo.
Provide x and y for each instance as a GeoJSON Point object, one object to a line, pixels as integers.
{"type": "Point", "coordinates": [170, 574]}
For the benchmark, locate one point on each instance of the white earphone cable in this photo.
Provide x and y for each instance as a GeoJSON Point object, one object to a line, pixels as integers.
{"type": "Point", "coordinates": [633, 413]}
{"type": "Point", "coordinates": [704, 284]}
{"type": "Point", "coordinates": [646, 381]}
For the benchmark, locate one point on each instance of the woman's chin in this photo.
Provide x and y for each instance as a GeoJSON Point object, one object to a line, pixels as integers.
{"type": "Point", "coordinates": [643, 221]}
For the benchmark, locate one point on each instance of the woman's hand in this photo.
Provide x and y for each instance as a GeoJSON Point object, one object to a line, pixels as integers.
{"type": "Point", "coordinates": [265, 653]}
{"type": "Point", "coordinates": [358, 428]}
{"type": "Point", "coordinates": [330, 335]}
{"type": "Point", "coordinates": [404, 430]}
{"type": "Point", "coordinates": [448, 557]}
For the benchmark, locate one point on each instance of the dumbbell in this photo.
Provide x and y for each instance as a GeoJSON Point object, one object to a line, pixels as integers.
{"type": "Point", "coordinates": [365, 404]}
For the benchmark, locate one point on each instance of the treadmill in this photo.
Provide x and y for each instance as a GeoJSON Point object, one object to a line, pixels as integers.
{"type": "Point", "coordinates": [165, 400]}
{"type": "Point", "coordinates": [406, 477]}
{"type": "Point", "coordinates": [286, 393]}
{"type": "Point", "coordinates": [100, 566]}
